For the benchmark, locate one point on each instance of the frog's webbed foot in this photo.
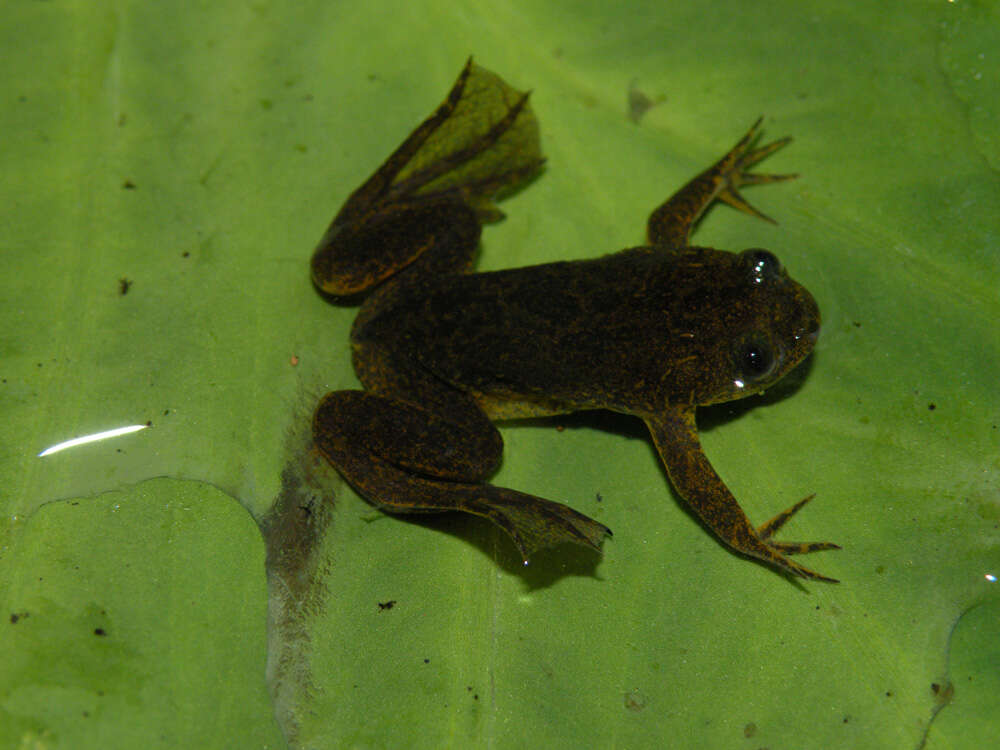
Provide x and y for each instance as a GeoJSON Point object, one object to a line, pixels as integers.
{"type": "Point", "coordinates": [734, 165]}
{"type": "Point", "coordinates": [534, 523]}
{"type": "Point", "coordinates": [435, 190]}
{"type": "Point", "coordinates": [766, 530]}
{"type": "Point", "coordinates": [481, 141]}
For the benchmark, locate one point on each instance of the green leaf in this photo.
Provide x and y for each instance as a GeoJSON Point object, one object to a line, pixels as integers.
{"type": "Point", "coordinates": [200, 153]}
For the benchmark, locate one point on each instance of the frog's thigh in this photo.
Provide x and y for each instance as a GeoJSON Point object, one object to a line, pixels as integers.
{"type": "Point", "coordinates": [358, 430]}
{"type": "Point", "coordinates": [438, 237]}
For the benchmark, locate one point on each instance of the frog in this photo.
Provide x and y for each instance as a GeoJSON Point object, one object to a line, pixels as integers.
{"type": "Point", "coordinates": [444, 352]}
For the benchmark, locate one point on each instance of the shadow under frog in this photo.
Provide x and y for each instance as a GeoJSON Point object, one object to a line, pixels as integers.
{"type": "Point", "coordinates": [653, 331]}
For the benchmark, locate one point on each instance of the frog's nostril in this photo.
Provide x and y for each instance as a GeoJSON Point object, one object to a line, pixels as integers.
{"type": "Point", "coordinates": [809, 332]}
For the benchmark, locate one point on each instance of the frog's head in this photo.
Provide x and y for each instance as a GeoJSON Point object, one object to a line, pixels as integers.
{"type": "Point", "coordinates": [759, 323]}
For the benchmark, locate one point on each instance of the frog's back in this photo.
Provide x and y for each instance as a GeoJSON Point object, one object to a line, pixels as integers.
{"type": "Point", "coordinates": [568, 335]}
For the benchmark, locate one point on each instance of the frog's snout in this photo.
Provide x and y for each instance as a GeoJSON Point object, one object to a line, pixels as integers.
{"type": "Point", "coordinates": [807, 337]}
{"type": "Point", "coordinates": [811, 321]}
{"type": "Point", "coordinates": [806, 334]}
{"type": "Point", "coordinates": [812, 332]}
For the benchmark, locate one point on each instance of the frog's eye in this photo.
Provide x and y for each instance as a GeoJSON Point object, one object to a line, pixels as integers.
{"type": "Point", "coordinates": [755, 360]}
{"type": "Point", "coordinates": [762, 264]}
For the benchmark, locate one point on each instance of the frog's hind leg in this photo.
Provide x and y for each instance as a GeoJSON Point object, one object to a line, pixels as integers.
{"type": "Point", "coordinates": [672, 223]}
{"type": "Point", "coordinates": [442, 236]}
{"type": "Point", "coordinates": [404, 458]}
{"type": "Point", "coordinates": [435, 190]}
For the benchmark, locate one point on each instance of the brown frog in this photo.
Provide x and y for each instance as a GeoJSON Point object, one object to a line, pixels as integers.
{"type": "Point", "coordinates": [652, 331]}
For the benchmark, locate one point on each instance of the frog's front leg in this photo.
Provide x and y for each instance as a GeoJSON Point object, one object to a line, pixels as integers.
{"type": "Point", "coordinates": [672, 223]}
{"type": "Point", "coordinates": [676, 439]}
{"type": "Point", "coordinates": [404, 457]}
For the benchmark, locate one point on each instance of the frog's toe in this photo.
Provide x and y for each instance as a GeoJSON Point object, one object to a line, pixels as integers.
{"type": "Point", "coordinates": [803, 572]}
{"type": "Point", "coordinates": [754, 155]}
{"type": "Point", "coordinates": [801, 548]}
{"type": "Point", "coordinates": [766, 531]}
{"type": "Point", "coordinates": [743, 155]}
{"type": "Point", "coordinates": [732, 197]}
{"type": "Point", "coordinates": [737, 163]}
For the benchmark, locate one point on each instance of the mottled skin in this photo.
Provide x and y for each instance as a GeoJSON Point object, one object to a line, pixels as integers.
{"type": "Point", "coordinates": [652, 331]}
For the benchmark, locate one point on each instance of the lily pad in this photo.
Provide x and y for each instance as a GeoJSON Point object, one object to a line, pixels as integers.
{"type": "Point", "coordinates": [198, 154]}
